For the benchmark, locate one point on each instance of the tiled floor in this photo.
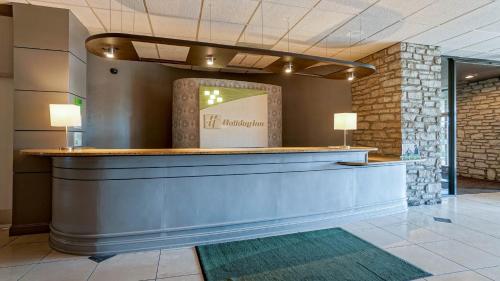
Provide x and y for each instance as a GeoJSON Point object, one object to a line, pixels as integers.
{"type": "Point", "coordinates": [466, 249]}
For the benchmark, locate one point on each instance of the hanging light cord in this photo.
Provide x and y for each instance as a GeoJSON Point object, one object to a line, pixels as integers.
{"type": "Point", "coordinates": [210, 19]}
{"type": "Point", "coordinates": [288, 32]}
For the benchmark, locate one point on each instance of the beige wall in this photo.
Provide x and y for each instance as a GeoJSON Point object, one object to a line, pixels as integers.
{"type": "Point", "coordinates": [6, 140]}
{"type": "Point", "coordinates": [49, 67]}
{"type": "Point", "coordinates": [6, 119]}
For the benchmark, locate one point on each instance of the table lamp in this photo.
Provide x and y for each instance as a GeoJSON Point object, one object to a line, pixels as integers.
{"type": "Point", "coordinates": [65, 115]}
{"type": "Point", "coordinates": [345, 121]}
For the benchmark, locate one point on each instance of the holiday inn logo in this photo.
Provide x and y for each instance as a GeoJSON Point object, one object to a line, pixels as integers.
{"type": "Point", "coordinates": [215, 121]}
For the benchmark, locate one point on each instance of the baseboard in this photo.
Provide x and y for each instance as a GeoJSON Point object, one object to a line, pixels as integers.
{"type": "Point", "coordinates": [34, 228]}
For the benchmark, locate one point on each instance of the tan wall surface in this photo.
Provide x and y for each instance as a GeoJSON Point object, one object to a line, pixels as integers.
{"type": "Point", "coordinates": [6, 119]}
{"type": "Point", "coordinates": [478, 129]}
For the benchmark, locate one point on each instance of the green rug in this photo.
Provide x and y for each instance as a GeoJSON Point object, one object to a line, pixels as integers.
{"type": "Point", "coordinates": [330, 254]}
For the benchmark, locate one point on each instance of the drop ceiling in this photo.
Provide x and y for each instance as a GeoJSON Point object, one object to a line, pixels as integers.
{"type": "Point", "coordinates": [341, 29]}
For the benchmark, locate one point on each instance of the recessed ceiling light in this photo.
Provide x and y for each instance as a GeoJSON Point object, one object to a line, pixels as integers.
{"type": "Point", "coordinates": [210, 60]}
{"type": "Point", "coordinates": [110, 52]}
{"type": "Point", "coordinates": [470, 76]}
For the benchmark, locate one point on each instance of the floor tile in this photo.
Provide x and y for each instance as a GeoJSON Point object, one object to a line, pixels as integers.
{"type": "Point", "coordinates": [58, 256]}
{"type": "Point", "coordinates": [460, 276]}
{"type": "Point", "coordinates": [78, 270]}
{"type": "Point", "coordinates": [426, 260]}
{"type": "Point", "coordinates": [379, 237]}
{"type": "Point", "coordinates": [33, 238]}
{"type": "Point", "coordinates": [14, 273]}
{"type": "Point", "coordinates": [414, 233]}
{"type": "Point", "coordinates": [493, 272]}
{"type": "Point", "coordinates": [25, 253]}
{"type": "Point", "coordinates": [196, 277]}
{"type": "Point", "coordinates": [178, 262]}
{"type": "Point", "coordinates": [386, 220]}
{"type": "Point", "coordinates": [462, 254]}
{"type": "Point", "coordinates": [129, 266]}
{"type": "Point", "coordinates": [357, 225]}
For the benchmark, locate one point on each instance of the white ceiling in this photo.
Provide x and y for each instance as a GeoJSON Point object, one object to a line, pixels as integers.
{"type": "Point", "coordinates": [344, 29]}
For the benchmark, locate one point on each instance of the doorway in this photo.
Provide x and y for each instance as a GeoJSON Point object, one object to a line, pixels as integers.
{"type": "Point", "coordinates": [470, 126]}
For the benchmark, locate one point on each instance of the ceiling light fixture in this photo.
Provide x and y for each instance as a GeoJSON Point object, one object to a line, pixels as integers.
{"type": "Point", "coordinates": [110, 52]}
{"type": "Point", "coordinates": [470, 76]}
{"type": "Point", "coordinates": [210, 60]}
{"type": "Point", "coordinates": [351, 76]}
{"type": "Point", "coordinates": [288, 67]}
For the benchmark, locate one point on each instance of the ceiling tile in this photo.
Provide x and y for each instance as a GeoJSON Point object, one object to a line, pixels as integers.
{"type": "Point", "coordinates": [176, 53]}
{"type": "Point", "coordinates": [345, 6]}
{"type": "Point", "coordinates": [265, 61]}
{"type": "Point", "coordinates": [296, 3]}
{"type": "Point", "coordinates": [118, 5]}
{"type": "Point", "coordinates": [356, 30]}
{"type": "Point", "coordinates": [233, 11]}
{"type": "Point", "coordinates": [394, 10]}
{"type": "Point", "coordinates": [350, 55]}
{"type": "Point", "coordinates": [293, 47]}
{"type": "Point", "coordinates": [276, 15]}
{"type": "Point", "coordinates": [236, 60]}
{"type": "Point", "coordinates": [253, 35]}
{"type": "Point", "coordinates": [146, 50]}
{"type": "Point", "coordinates": [87, 18]}
{"type": "Point", "coordinates": [80, 3]}
{"type": "Point", "coordinates": [444, 10]}
{"type": "Point", "coordinates": [317, 24]}
{"type": "Point", "coordinates": [389, 36]}
{"type": "Point", "coordinates": [467, 39]}
{"type": "Point", "coordinates": [436, 34]}
{"type": "Point", "coordinates": [174, 27]}
{"type": "Point", "coordinates": [493, 27]}
{"type": "Point", "coordinates": [485, 46]}
{"type": "Point", "coordinates": [222, 33]}
{"type": "Point", "coordinates": [174, 8]}
{"type": "Point", "coordinates": [126, 22]}
{"type": "Point", "coordinates": [461, 53]}
{"type": "Point", "coordinates": [250, 60]}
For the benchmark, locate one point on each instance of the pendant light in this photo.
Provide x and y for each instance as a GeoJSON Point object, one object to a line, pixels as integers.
{"type": "Point", "coordinates": [210, 58]}
{"type": "Point", "coordinates": [350, 76]}
{"type": "Point", "coordinates": [288, 68]}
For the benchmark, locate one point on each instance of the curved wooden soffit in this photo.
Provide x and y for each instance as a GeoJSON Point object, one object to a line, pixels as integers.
{"type": "Point", "coordinates": [314, 66]}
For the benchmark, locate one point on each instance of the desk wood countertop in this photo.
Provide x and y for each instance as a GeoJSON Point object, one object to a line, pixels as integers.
{"type": "Point", "coordinates": [186, 151]}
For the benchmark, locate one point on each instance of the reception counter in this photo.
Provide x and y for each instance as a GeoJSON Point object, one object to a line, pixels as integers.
{"type": "Point", "coordinates": [117, 200]}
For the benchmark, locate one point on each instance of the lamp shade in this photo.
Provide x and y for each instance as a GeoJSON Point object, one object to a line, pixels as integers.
{"type": "Point", "coordinates": [344, 121]}
{"type": "Point", "coordinates": [65, 115]}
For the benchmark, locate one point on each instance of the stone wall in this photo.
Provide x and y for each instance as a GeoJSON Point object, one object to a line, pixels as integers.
{"type": "Point", "coordinates": [398, 109]}
{"type": "Point", "coordinates": [377, 101]}
{"type": "Point", "coordinates": [478, 129]}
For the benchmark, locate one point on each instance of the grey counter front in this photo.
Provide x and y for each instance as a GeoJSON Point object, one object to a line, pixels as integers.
{"type": "Point", "coordinates": [108, 201]}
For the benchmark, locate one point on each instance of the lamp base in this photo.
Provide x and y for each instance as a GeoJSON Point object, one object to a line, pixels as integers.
{"type": "Point", "coordinates": [66, 148]}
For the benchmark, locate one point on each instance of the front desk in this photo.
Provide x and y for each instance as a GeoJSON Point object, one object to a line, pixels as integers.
{"type": "Point", "coordinates": [111, 200]}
